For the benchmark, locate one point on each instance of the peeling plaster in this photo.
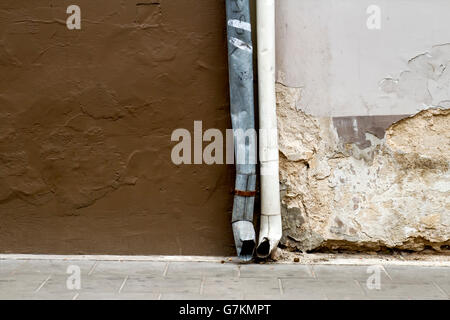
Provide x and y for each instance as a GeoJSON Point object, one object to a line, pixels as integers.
{"type": "Point", "coordinates": [393, 193]}
{"type": "Point", "coordinates": [427, 80]}
{"type": "Point", "coordinates": [347, 70]}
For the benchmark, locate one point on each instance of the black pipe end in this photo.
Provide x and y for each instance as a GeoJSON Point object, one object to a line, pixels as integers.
{"type": "Point", "coordinates": [263, 249]}
{"type": "Point", "coordinates": [248, 247]}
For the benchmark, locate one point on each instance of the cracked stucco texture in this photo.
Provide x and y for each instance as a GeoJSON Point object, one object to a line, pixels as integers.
{"type": "Point", "coordinates": [86, 118]}
{"type": "Point", "coordinates": [393, 194]}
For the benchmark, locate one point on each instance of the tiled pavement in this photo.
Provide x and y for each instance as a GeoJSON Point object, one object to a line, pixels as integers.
{"type": "Point", "coordinates": [47, 279]}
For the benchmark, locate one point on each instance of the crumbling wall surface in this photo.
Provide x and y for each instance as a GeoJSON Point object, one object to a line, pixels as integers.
{"type": "Point", "coordinates": [395, 193]}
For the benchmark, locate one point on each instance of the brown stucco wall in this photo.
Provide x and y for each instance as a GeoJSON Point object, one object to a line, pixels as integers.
{"type": "Point", "coordinates": [85, 123]}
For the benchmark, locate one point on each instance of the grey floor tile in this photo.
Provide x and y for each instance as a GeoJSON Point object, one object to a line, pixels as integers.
{"type": "Point", "coordinates": [233, 286]}
{"type": "Point", "coordinates": [202, 269]}
{"type": "Point", "coordinates": [52, 296]}
{"type": "Point", "coordinates": [320, 289]}
{"type": "Point", "coordinates": [275, 271]}
{"type": "Point", "coordinates": [9, 266]}
{"type": "Point", "coordinates": [16, 296]}
{"type": "Point", "coordinates": [346, 272]}
{"type": "Point", "coordinates": [148, 268]}
{"type": "Point", "coordinates": [139, 280]}
{"type": "Point", "coordinates": [419, 274]}
{"type": "Point", "coordinates": [282, 297]}
{"type": "Point", "coordinates": [178, 296]}
{"type": "Point", "coordinates": [262, 297]}
{"type": "Point", "coordinates": [145, 284]}
{"type": "Point", "coordinates": [107, 284]}
{"type": "Point", "coordinates": [222, 286]}
{"type": "Point", "coordinates": [303, 289]}
{"type": "Point", "coordinates": [21, 283]}
{"type": "Point", "coordinates": [56, 267]}
{"type": "Point", "coordinates": [343, 289]}
{"type": "Point", "coordinates": [116, 296]}
{"type": "Point", "coordinates": [402, 290]}
{"type": "Point", "coordinates": [36, 296]}
{"type": "Point", "coordinates": [443, 286]}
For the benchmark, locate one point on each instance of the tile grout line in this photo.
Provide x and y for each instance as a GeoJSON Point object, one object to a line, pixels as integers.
{"type": "Point", "coordinates": [360, 287]}
{"type": "Point", "coordinates": [280, 285]}
{"type": "Point", "coordinates": [166, 269]}
{"type": "Point", "coordinates": [440, 289]}
{"type": "Point", "coordinates": [123, 284]}
{"type": "Point", "coordinates": [93, 268]}
{"type": "Point", "coordinates": [311, 271]}
{"type": "Point", "coordinates": [202, 284]}
{"type": "Point", "coordinates": [42, 284]}
{"type": "Point", "coordinates": [387, 274]}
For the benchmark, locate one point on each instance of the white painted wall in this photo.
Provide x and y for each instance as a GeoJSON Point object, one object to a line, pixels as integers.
{"type": "Point", "coordinates": [325, 47]}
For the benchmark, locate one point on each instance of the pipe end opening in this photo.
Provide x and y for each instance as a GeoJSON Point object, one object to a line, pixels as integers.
{"type": "Point", "coordinates": [248, 247]}
{"type": "Point", "coordinates": [263, 249]}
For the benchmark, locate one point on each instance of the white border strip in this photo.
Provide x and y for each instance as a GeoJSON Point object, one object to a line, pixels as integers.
{"type": "Point", "coordinates": [313, 259]}
{"type": "Point", "coordinates": [113, 258]}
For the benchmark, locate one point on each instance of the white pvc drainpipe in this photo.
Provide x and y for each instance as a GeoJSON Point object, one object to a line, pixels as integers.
{"type": "Point", "coordinates": [270, 229]}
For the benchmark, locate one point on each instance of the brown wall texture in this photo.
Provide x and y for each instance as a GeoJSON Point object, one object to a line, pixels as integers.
{"type": "Point", "coordinates": [86, 118]}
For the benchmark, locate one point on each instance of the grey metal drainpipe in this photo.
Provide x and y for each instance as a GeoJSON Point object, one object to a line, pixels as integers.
{"type": "Point", "coordinates": [240, 60]}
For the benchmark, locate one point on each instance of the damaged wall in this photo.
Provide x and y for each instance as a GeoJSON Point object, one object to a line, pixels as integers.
{"type": "Point", "coordinates": [364, 125]}
{"type": "Point", "coordinates": [344, 68]}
